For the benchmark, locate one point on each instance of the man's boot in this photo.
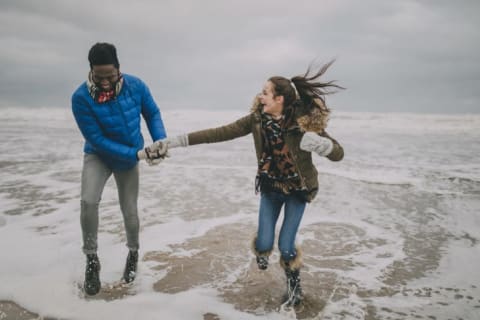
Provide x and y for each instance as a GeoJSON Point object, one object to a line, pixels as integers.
{"type": "Point", "coordinates": [92, 275]}
{"type": "Point", "coordinates": [130, 266]}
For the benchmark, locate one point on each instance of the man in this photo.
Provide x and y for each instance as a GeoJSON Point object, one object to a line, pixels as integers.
{"type": "Point", "coordinates": [107, 109]}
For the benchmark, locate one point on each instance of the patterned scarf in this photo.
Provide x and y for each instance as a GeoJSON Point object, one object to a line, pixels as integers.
{"type": "Point", "coordinates": [276, 170]}
{"type": "Point", "coordinates": [98, 94]}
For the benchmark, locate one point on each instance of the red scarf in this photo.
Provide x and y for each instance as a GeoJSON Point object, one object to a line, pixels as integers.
{"type": "Point", "coordinates": [104, 96]}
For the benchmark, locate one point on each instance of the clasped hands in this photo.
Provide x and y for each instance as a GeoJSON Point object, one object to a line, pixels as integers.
{"type": "Point", "coordinates": [154, 153]}
{"type": "Point", "coordinates": [158, 151]}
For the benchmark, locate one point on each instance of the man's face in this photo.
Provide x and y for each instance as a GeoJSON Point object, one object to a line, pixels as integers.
{"type": "Point", "coordinates": [105, 76]}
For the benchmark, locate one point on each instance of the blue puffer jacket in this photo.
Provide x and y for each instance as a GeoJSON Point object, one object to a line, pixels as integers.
{"type": "Point", "coordinates": [112, 129]}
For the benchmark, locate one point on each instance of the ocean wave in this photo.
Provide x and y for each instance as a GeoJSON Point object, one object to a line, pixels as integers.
{"type": "Point", "coordinates": [373, 177]}
{"type": "Point", "coordinates": [438, 182]}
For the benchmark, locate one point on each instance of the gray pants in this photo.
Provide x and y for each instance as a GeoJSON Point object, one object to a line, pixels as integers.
{"type": "Point", "coordinates": [94, 177]}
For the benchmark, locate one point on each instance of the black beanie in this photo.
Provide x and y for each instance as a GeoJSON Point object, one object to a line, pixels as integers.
{"type": "Point", "coordinates": [103, 53]}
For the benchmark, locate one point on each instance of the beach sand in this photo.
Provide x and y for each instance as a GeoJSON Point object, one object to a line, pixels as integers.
{"type": "Point", "coordinates": [222, 259]}
{"type": "Point", "coordinates": [390, 236]}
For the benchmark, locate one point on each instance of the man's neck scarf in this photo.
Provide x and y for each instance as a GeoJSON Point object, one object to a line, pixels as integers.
{"type": "Point", "coordinates": [101, 96]}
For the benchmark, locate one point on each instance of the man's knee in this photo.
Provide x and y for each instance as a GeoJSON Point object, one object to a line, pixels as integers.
{"type": "Point", "coordinates": [88, 207]}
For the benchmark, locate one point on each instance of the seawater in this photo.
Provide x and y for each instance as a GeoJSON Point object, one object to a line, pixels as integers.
{"type": "Point", "coordinates": [393, 234]}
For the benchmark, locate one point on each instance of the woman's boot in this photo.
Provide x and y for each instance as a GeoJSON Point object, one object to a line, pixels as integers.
{"type": "Point", "coordinates": [294, 294]}
{"type": "Point", "coordinates": [261, 257]}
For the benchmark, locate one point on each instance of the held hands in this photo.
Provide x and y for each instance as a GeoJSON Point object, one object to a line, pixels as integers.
{"type": "Point", "coordinates": [312, 142]}
{"type": "Point", "coordinates": [158, 151]}
{"type": "Point", "coordinates": [154, 153]}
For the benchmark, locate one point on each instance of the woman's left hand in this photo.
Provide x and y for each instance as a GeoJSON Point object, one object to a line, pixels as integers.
{"type": "Point", "coordinates": [312, 142]}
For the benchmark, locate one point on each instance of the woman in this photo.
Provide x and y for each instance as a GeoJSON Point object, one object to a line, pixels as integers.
{"type": "Point", "coordinates": [287, 121]}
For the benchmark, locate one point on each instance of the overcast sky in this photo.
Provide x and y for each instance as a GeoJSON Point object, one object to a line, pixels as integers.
{"type": "Point", "coordinates": [405, 55]}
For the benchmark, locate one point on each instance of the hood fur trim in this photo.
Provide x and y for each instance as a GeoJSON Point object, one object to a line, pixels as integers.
{"type": "Point", "coordinates": [255, 104]}
{"type": "Point", "coordinates": [315, 121]}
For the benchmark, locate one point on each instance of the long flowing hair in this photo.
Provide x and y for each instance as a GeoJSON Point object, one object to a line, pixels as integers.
{"type": "Point", "coordinates": [304, 92]}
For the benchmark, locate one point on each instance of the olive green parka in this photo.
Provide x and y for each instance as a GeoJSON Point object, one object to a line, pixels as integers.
{"type": "Point", "coordinates": [313, 121]}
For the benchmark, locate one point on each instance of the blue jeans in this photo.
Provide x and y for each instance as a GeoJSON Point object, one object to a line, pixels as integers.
{"type": "Point", "coordinates": [270, 205]}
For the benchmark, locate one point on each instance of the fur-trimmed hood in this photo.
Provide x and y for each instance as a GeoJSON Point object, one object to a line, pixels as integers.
{"type": "Point", "coordinates": [311, 121]}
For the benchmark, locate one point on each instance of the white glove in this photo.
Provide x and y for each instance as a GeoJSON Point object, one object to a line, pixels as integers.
{"type": "Point", "coordinates": [177, 141]}
{"type": "Point", "coordinates": [312, 142]}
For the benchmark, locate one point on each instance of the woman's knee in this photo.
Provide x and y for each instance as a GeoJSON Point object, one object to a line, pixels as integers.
{"type": "Point", "coordinates": [287, 251]}
{"type": "Point", "coordinates": [263, 244]}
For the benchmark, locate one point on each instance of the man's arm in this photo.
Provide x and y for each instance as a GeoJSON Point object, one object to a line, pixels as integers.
{"type": "Point", "coordinates": [152, 116]}
{"type": "Point", "coordinates": [92, 132]}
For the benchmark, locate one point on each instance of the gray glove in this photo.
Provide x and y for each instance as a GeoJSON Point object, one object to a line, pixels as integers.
{"type": "Point", "coordinates": [312, 142]}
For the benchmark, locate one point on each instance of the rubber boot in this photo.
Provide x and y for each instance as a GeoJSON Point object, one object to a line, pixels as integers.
{"type": "Point", "coordinates": [92, 283]}
{"type": "Point", "coordinates": [130, 267]}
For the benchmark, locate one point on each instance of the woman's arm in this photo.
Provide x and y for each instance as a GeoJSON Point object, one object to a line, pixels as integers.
{"type": "Point", "coordinates": [239, 128]}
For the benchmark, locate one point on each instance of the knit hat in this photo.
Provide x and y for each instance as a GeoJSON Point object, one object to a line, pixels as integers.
{"type": "Point", "coordinates": [103, 53]}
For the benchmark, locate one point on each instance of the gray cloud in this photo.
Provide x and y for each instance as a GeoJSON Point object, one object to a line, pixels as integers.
{"type": "Point", "coordinates": [415, 56]}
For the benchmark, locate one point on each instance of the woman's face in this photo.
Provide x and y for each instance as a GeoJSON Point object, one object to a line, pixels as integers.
{"type": "Point", "coordinates": [272, 105]}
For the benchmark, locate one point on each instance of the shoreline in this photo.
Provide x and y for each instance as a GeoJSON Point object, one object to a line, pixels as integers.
{"type": "Point", "coordinates": [10, 310]}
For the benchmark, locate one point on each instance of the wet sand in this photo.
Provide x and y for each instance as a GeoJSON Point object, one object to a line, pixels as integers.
{"type": "Point", "coordinates": [427, 225]}
{"type": "Point", "coordinates": [11, 311]}
{"type": "Point", "coordinates": [222, 259]}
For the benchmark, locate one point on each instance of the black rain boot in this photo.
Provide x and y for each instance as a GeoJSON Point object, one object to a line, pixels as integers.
{"type": "Point", "coordinates": [131, 267]}
{"type": "Point", "coordinates": [261, 257]}
{"type": "Point", "coordinates": [92, 275]}
{"type": "Point", "coordinates": [294, 293]}
{"type": "Point", "coordinates": [262, 262]}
